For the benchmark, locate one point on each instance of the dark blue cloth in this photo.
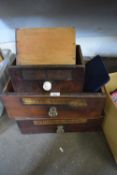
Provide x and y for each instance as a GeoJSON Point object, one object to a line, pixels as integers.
{"type": "Point", "coordinates": [96, 75]}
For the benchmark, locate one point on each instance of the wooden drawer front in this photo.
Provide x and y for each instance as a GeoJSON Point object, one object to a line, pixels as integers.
{"type": "Point", "coordinates": [63, 79]}
{"type": "Point", "coordinates": [23, 107]}
{"type": "Point", "coordinates": [29, 126]}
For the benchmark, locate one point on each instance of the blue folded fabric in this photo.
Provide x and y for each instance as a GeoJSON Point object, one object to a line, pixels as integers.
{"type": "Point", "coordinates": [96, 75]}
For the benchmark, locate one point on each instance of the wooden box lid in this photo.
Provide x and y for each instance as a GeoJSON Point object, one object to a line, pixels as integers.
{"type": "Point", "coordinates": [38, 46]}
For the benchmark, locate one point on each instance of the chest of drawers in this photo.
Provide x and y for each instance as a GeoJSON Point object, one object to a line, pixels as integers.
{"type": "Point", "coordinates": [62, 107]}
{"type": "Point", "coordinates": [50, 98]}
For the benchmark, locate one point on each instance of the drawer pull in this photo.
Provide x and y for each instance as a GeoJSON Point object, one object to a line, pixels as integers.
{"type": "Point", "coordinates": [60, 129]}
{"type": "Point", "coordinates": [53, 112]}
{"type": "Point", "coordinates": [47, 86]}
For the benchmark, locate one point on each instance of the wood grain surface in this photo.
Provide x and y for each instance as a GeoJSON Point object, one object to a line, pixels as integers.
{"type": "Point", "coordinates": [28, 127]}
{"type": "Point", "coordinates": [68, 106]}
{"type": "Point", "coordinates": [64, 79]}
{"type": "Point", "coordinates": [46, 46]}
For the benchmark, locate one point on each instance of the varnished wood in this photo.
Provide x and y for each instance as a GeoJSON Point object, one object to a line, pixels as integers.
{"type": "Point", "coordinates": [28, 127]}
{"type": "Point", "coordinates": [64, 79]}
{"type": "Point", "coordinates": [47, 122]}
{"type": "Point", "coordinates": [45, 46]}
{"type": "Point", "coordinates": [68, 106]}
{"type": "Point", "coordinates": [29, 105]}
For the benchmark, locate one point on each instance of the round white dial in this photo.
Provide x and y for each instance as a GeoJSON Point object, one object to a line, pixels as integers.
{"type": "Point", "coordinates": [47, 85]}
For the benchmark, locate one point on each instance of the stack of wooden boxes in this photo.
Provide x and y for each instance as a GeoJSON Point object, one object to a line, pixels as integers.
{"type": "Point", "coordinates": [45, 92]}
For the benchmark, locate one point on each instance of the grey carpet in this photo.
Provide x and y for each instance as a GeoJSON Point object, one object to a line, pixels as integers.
{"type": "Point", "coordinates": [52, 154]}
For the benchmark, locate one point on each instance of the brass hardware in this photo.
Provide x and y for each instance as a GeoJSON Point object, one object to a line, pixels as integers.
{"type": "Point", "coordinates": [74, 103]}
{"type": "Point", "coordinates": [53, 112]}
{"type": "Point", "coordinates": [60, 129]}
{"type": "Point", "coordinates": [59, 121]}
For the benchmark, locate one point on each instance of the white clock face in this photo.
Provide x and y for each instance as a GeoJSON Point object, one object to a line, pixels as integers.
{"type": "Point", "coordinates": [47, 85]}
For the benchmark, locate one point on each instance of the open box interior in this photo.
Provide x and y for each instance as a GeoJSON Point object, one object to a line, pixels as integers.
{"type": "Point", "coordinates": [79, 62]}
{"type": "Point", "coordinates": [9, 90]}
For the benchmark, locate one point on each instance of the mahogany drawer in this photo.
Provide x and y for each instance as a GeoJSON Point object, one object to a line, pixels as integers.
{"type": "Point", "coordinates": [27, 106]}
{"type": "Point", "coordinates": [63, 79]}
{"type": "Point", "coordinates": [36, 126]}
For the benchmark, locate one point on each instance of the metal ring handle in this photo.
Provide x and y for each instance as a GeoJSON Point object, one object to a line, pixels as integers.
{"type": "Point", "coordinates": [53, 112]}
{"type": "Point", "coordinates": [60, 129]}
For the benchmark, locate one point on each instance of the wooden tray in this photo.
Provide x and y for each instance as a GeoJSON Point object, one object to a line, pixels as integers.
{"type": "Point", "coordinates": [64, 78]}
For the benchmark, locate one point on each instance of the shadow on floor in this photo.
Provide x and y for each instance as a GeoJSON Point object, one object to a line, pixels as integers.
{"type": "Point", "coordinates": [5, 123]}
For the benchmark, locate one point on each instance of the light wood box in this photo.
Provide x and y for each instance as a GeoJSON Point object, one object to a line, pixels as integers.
{"type": "Point", "coordinates": [110, 121]}
{"type": "Point", "coordinates": [39, 46]}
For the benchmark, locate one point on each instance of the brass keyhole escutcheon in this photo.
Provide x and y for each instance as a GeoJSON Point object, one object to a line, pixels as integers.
{"type": "Point", "coordinates": [53, 112]}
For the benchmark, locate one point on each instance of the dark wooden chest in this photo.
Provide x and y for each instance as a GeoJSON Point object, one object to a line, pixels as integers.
{"type": "Point", "coordinates": [50, 98]}
{"type": "Point", "coordinates": [45, 112]}
{"type": "Point", "coordinates": [63, 107]}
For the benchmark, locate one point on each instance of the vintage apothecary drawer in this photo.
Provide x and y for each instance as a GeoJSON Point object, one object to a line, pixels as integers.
{"type": "Point", "coordinates": [39, 126]}
{"type": "Point", "coordinates": [46, 79]}
{"type": "Point", "coordinates": [27, 106]}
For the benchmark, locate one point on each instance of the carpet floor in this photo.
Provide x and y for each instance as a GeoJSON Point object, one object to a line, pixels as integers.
{"type": "Point", "coordinates": [52, 154]}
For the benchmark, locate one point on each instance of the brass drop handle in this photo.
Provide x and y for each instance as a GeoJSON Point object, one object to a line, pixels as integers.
{"type": "Point", "coordinates": [60, 129]}
{"type": "Point", "coordinates": [53, 112]}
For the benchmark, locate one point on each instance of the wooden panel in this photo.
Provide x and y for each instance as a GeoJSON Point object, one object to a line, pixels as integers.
{"type": "Point", "coordinates": [64, 79]}
{"type": "Point", "coordinates": [59, 122]}
{"type": "Point", "coordinates": [67, 106]}
{"type": "Point", "coordinates": [79, 56]}
{"type": "Point", "coordinates": [28, 127]}
{"type": "Point", "coordinates": [46, 46]}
